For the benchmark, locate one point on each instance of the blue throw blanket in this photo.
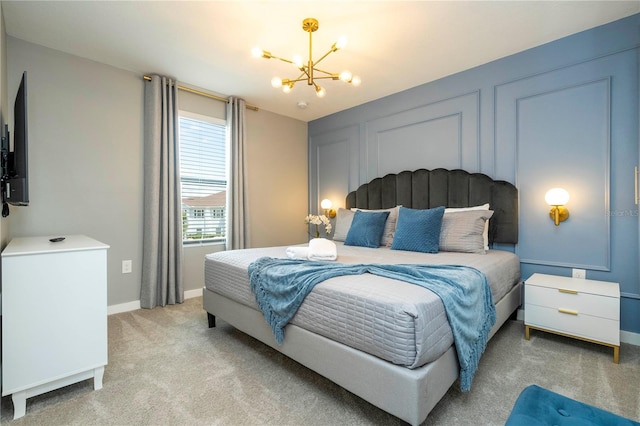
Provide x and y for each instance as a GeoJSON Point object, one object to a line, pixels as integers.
{"type": "Point", "coordinates": [280, 286]}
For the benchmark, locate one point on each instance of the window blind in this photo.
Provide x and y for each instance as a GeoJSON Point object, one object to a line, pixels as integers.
{"type": "Point", "coordinates": [203, 178]}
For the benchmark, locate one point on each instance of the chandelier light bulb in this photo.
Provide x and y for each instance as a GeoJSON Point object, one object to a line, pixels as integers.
{"type": "Point", "coordinates": [256, 52]}
{"type": "Point", "coordinates": [286, 88]}
{"type": "Point", "coordinates": [356, 80]}
{"type": "Point", "coordinates": [320, 91]}
{"type": "Point", "coordinates": [276, 82]}
{"type": "Point", "coordinates": [342, 42]}
{"type": "Point", "coordinates": [298, 61]}
{"type": "Point", "coordinates": [346, 76]}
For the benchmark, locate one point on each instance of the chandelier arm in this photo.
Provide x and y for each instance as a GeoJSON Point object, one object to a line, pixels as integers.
{"type": "Point", "coordinates": [324, 56]}
{"type": "Point", "coordinates": [304, 72]}
{"type": "Point", "coordinates": [297, 80]}
{"type": "Point", "coordinates": [310, 64]}
{"type": "Point", "coordinates": [326, 72]}
{"type": "Point", "coordinates": [282, 59]}
{"type": "Point", "coordinates": [332, 77]}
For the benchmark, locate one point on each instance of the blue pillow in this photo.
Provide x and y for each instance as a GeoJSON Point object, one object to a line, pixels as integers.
{"type": "Point", "coordinates": [418, 230]}
{"type": "Point", "coordinates": [366, 229]}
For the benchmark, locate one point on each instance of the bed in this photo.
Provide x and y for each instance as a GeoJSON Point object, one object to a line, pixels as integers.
{"type": "Point", "coordinates": [387, 341]}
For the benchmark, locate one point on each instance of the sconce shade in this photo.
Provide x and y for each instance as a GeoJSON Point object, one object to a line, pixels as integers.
{"type": "Point", "coordinates": [556, 197]}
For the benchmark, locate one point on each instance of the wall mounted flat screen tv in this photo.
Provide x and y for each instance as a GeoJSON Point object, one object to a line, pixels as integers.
{"type": "Point", "coordinates": [16, 167]}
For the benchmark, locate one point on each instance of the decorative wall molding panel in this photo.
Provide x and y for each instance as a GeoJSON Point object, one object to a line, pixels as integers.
{"type": "Point", "coordinates": [333, 166]}
{"type": "Point", "coordinates": [543, 119]}
{"type": "Point", "coordinates": [440, 134]}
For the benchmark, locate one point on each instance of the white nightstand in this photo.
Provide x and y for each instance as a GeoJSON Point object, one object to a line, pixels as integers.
{"type": "Point", "coordinates": [573, 307]}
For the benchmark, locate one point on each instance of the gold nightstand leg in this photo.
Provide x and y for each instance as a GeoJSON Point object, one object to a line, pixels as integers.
{"type": "Point", "coordinates": [526, 332]}
{"type": "Point", "coordinates": [616, 354]}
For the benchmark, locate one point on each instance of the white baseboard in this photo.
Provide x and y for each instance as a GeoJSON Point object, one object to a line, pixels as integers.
{"type": "Point", "coordinates": [132, 306]}
{"type": "Point", "coordinates": [630, 338]}
{"type": "Point", "coordinates": [625, 336]}
{"type": "Point", "coordinates": [123, 307]}
{"type": "Point", "coordinates": [190, 294]}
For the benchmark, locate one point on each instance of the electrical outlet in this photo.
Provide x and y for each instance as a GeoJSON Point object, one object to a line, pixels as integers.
{"type": "Point", "coordinates": [126, 266]}
{"type": "Point", "coordinates": [579, 273]}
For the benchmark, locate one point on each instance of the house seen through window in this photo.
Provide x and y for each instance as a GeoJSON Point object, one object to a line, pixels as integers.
{"type": "Point", "coordinates": [203, 177]}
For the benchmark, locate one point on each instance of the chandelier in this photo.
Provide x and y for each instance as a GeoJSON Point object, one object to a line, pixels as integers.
{"type": "Point", "coordinates": [309, 71]}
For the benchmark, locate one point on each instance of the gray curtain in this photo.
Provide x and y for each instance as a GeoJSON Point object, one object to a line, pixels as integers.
{"type": "Point", "coordinates": [162, 228]}
{"type": "Point", "coordinates": [237, 228]}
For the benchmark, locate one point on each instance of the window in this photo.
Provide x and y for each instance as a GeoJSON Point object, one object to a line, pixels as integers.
{"type": "Point", "coordinates": [203, 178]}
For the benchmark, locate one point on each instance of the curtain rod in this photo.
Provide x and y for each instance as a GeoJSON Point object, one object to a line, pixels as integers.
{"type": "Point", "coordinates": [207, 95]}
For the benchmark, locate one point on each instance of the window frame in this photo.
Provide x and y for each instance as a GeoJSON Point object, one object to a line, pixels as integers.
{"type": "Point", "coordinates": [215, 121]}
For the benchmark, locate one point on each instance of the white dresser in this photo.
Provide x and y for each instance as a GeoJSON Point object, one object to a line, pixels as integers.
{"type": "Point", "coordinates": [54, 315]}
{"type": "Point", "coordinates": [574, 307]}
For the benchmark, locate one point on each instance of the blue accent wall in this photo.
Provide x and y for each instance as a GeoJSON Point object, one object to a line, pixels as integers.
{"type": "Point", "coordinates": [564, 114]}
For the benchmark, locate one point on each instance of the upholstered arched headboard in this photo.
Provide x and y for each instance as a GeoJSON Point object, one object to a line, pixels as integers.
{"type": "Point", "coordinates": [424, 189]}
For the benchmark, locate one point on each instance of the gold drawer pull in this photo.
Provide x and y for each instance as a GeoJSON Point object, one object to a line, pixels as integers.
{"type": "Point", "coordinates": [566, 290]}
{"type": "Point", "coordinates": [567, 311]}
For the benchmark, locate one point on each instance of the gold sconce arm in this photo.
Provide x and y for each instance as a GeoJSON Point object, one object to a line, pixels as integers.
{"type": "Point", "coordinates": [558, 214]}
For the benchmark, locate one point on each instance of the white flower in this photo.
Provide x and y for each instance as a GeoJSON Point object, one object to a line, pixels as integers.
{"type": "Point", "coordinates": [319, 220]}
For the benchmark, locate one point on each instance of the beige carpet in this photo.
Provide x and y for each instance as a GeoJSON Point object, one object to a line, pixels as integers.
{"type": "Point", "coordinates": [167, 368]}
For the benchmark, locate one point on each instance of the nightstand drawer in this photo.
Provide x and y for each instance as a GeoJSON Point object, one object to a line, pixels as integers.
{"type": "Point", "coordinates": [580, 325]}
{"type": "Point", "coordinates": [584, 303]}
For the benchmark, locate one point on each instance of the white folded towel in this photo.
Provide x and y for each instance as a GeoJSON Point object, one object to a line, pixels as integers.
{"type": "Point", "coordinates": [322, 249]}
{"type": "Point", "coordinates": [298, 252]}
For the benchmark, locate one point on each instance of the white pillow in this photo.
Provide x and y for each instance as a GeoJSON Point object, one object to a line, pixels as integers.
{"type": "Point", "coordinates": [344, 218]}
{"type": "Point", "coordinates": [462, 231]}
{"type": "Point", "coordinates": [389, 226]}
{"type": "Point", "coordinates": [485, 234]}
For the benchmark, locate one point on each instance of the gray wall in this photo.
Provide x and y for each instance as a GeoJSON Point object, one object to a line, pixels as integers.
{"type": "Point", "coordinates": [563, 114]}
{"type": "Point", "coordinates": [86, 156]}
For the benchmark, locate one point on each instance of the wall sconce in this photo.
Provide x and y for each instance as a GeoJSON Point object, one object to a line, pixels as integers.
{"type": "Point", "coordinates": [326, 206]}
{"type": "Point", "coordinates": [557, 198]}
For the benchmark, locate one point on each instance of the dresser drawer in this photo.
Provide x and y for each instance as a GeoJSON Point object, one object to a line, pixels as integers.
{"type": "Point", "coordinates": [581, 325]}
{"type": "Point", "coordinates": [583, 303]}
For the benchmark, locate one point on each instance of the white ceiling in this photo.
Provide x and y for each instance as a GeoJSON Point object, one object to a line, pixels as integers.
{"type": "Point", "coordinates": [393, 45]}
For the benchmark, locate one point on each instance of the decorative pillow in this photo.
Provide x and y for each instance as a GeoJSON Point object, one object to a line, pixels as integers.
{"type": "Point", "coordinates": [418, 230]}
{"type": "Point", "coordinates": [366, 229]}
{"type": "Point", "coordinates": [485, 234]}
{"type": "Point", "coordinates": [463, 231]}
{"type": "Point", "coordinates": [389, 226]}
{"type": "Point", "coordinates": [343, 223]}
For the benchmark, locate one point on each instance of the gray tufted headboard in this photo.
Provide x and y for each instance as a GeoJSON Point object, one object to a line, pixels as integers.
{"type": "Point", "coordinates": [424, 189]}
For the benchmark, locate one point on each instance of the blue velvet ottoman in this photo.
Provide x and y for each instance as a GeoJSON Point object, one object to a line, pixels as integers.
{"type": "Point", "coordinates": [537, 406]}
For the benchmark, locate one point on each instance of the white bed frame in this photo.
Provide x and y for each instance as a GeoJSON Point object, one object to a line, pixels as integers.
{"type": "Point", "coordinates": [407, 394]}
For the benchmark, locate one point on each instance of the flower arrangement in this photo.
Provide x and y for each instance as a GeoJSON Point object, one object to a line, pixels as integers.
{"type": "Point", "coordinates": [319, 220]}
